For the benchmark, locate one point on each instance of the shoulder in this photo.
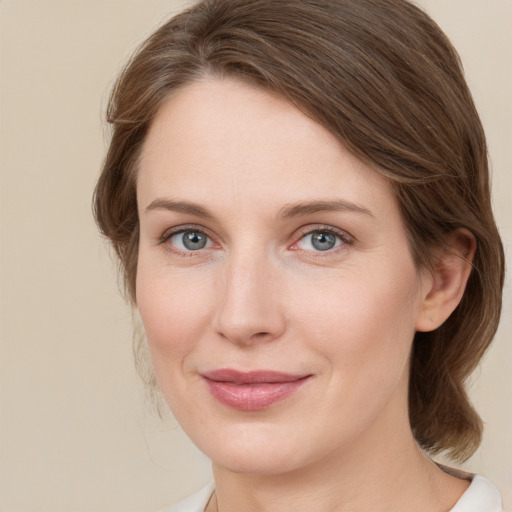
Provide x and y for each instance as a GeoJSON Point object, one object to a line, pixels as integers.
{"type": "Point", "coordinates": [195, 503]}
{"type": "Point", "coordinates": [481, 496]}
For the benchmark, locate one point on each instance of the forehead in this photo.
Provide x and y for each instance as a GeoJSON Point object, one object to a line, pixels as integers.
{"type": "Point", "coordinates": [229, 118]}
{"type": "Point", "coordinates": [239, 141]}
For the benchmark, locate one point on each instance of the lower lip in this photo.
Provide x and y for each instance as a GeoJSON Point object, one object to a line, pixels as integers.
{"type": "Point", "coordinates": [255, 396]}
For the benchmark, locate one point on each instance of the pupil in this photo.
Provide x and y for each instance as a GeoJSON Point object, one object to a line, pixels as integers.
{"type": "Point", "coordinates": [193, 240]}
{"type": "Point", "coordinates": [322, 241]}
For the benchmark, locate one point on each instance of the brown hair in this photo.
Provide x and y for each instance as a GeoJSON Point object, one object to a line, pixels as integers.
{"type": "Point", "coordinates": [381, 76]}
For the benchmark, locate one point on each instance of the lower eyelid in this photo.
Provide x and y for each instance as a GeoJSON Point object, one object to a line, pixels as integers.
{"type": "Point", "coordinates": [165, 240]}
{"type": "Point", "coordinates": [343, 238]}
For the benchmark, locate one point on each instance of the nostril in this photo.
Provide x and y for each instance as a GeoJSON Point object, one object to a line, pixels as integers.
{"type": "Point", "coordinates": [262, 334]}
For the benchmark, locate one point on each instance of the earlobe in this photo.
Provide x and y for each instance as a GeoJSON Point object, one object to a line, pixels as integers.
{"type": "Point", "coordinates": [445, 284]}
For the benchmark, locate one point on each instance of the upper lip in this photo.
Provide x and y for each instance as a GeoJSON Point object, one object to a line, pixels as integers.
{"type": "Point", "coordinates": [251, 377]}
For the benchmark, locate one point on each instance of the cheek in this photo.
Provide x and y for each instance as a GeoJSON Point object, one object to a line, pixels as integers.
{"type": "Point", "coordinates": [168, 306]}
{"type": "Point", "coordinates": [364, 322]}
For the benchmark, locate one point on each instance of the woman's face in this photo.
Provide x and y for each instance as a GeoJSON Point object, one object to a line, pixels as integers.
{"type": "Point", "coordinates": [275, 282]}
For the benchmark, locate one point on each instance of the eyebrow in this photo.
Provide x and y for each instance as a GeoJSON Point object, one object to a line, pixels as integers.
{"type": "Point", "coordinates": [307, 208]}
{"type": "Point", "coordinates": [301, 209]}
{"type": "Point", "coordinates": [179, 206]}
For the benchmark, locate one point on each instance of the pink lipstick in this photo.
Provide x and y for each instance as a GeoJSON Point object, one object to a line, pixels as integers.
{"type": "Point", "coordinates": [252, 391]}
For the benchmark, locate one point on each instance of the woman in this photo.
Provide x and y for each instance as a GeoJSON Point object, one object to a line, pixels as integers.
{"type": "Point", "coordinates": [298, 194]}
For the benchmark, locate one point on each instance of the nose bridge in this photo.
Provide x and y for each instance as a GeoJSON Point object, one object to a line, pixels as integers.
{"type": "Point", "coordinates": [249, 308]}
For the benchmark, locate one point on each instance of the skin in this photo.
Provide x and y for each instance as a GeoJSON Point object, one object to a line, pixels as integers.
{"type": "Point", "coordinates": [239, 164]}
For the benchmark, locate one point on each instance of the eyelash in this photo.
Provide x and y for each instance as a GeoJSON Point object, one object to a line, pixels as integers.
{"type": "Point", "coordinates": [344, 237]}
{"type": "Point", "coordinates": [167, 235]}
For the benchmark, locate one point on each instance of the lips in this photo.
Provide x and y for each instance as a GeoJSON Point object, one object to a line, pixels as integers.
{"type": "Point", "coordinates": [252, 391]}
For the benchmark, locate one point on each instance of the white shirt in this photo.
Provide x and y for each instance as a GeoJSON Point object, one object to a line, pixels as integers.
{"type": "Point", "coordinates": [480, 496]}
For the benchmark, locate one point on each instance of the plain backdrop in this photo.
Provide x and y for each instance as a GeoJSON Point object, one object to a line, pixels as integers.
{"type": "Point", "coordinates": [76, 434]}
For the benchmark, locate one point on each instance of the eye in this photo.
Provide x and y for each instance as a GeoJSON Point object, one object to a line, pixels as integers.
{"type": "Point", "coordinates": [189, 240]}
{"type": "Point", "coordinates": [320, 240]}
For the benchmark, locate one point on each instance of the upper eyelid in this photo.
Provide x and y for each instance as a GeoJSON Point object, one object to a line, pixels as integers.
{"type": "Point", "coordinates": [164, 238]}
{"type": "Point", "coordinates": [296, 236]}
{"type": "Point", "coordinates": [311, 228]}
{"type": "Point", "coordinates": [182, 229]}
{"type": "Point", "coordinates": [347, 240]}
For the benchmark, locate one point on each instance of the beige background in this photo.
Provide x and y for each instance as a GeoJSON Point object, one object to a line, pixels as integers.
{"type": "Point", "coordinates": [75, 433]}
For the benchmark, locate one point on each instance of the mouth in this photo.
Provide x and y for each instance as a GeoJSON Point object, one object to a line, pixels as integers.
{"type": "Point", "coordinates": [252, 391]}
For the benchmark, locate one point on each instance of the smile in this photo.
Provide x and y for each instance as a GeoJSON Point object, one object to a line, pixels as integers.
{"type": "Point", "coordinates": [252, 391]}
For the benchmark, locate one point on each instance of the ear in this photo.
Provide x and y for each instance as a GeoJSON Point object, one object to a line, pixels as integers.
{"type": "Point", "coordinates": [444, 285]}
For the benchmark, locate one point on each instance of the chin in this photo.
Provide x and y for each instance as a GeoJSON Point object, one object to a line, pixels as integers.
{"type": "Point", "coordinates": [256, 462]}
{"type": "Point", "coordinates": [255, 449]}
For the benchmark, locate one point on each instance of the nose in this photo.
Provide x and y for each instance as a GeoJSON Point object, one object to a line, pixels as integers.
{"type": "Point", "coordinates": [250, 308]}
